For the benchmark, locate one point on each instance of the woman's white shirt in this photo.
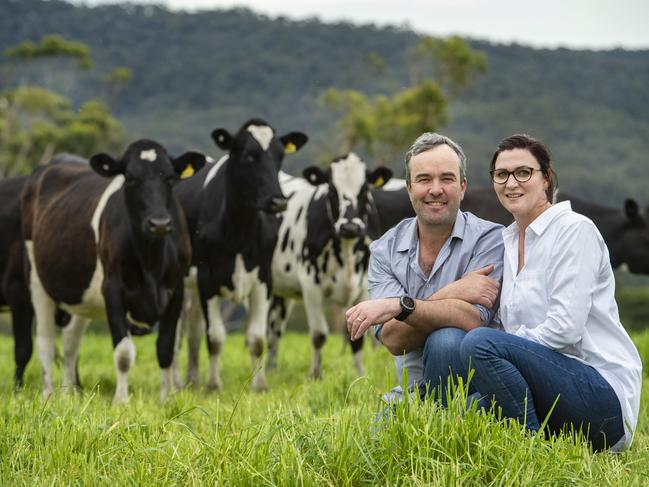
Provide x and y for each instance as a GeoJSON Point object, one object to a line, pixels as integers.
{"type": "Point", "coordinates": [564, 298]}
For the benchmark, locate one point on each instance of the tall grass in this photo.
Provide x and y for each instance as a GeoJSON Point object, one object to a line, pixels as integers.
{"type": "Point", "coordinates": [302, 432]}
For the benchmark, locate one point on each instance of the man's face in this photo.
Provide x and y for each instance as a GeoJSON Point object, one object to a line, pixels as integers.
{"type": "Point", "coordinates": [436, 188]}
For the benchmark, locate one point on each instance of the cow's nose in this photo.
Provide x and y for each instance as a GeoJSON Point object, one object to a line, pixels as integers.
{"type": "Point", "coordinates": [350, 230]}
{"type": "Point", "coordinates": [159, 226]}
{"type": "Point", "coordinates": [278, 205]}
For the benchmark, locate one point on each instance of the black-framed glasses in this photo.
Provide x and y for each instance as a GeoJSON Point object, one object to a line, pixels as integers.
{"type": "Point", "coordinates": [521, 174]}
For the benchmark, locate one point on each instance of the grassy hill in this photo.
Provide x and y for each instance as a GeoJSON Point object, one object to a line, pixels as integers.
{"type": "Point", "coordinates": [196, 71]}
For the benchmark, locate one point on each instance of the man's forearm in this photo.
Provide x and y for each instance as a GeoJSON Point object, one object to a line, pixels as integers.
{"type": "Point", "coordinates": [399, 337]}
{"type": "Point", "coordinates": [432, 315]}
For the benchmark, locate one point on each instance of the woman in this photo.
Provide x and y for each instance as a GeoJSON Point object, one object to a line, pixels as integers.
{"type": "Point", "coordinates": [565, 353]}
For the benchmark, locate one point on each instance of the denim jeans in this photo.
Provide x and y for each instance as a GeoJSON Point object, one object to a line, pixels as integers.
{"type": "Point", "coordinates": [442, 360]}
{"type": "Point", "coordinates": [525, 379]}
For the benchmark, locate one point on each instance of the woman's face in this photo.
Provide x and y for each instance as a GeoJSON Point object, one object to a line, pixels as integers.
{"type": "Point", "coordinates": [524, 200]}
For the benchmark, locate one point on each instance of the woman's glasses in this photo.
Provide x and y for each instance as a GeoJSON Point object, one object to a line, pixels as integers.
{"type": "Point", "coordinates": [521, 174]}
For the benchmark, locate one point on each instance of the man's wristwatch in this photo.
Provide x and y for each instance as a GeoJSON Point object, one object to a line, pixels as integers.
{"type": "Point", "coordinates": [407, 307]}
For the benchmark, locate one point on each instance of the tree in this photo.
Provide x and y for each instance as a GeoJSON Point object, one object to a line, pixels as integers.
{"type": "Point", "coordinates": [384, 126]}
{"type": "Point", "coordinates": [36, 122]}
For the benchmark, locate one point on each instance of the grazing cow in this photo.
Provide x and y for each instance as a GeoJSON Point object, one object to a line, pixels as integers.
{"type": "Point", "coordinates": [625, 231]}
{"type": "Point", "coordinates": [322, 251]}
{"type": "Point", "coordinates": [108, 240]}
{"type": "Point", "coordinates": [232, 211]}
{"type": "Point", "coordinates": [14, 290]}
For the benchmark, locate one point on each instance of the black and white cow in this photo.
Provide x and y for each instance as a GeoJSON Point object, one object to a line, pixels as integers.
{"type": "Point", "coordinates": [232, 209]}
{"type": "Point", "coordinates": [322, 252]}
{"type": "Point", "coordinates": [625, 231]}
{"type": "Point", "coordinates": [108, 240]}
{"type": "Point", "coordinates": [14, 289]}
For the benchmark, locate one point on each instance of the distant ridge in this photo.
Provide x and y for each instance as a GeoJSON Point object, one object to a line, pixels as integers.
{"type": "Point", "coordinates": [196, 71]}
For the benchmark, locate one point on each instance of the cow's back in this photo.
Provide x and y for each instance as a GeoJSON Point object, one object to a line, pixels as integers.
{"type": "Point", "coordinates": [58, 205]}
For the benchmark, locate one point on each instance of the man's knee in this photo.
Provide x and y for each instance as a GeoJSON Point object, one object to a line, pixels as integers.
{"type": "Point", "coordinates": [443, 342]}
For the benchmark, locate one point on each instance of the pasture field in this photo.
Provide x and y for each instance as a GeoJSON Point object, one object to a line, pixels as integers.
{"type": "Point", "coordinates": [302, 432]}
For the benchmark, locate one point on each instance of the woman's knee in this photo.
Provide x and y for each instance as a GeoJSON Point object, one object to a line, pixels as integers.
{"type": "Point", "coordinates": [474, 341]}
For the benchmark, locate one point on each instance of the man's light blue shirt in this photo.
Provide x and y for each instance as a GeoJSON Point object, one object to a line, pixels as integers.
{"type": "Point", "coordinates": [394, 268]}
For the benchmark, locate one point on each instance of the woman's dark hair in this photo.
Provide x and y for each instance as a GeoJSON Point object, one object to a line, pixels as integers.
{"type": "Point", "coordinates": [540, 152]}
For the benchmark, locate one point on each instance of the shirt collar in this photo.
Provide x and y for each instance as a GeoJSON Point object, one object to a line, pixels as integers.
{"type": "Point", "coordinates": [542, 221]}
{"type": "Point", "coordinates": [409, 239]}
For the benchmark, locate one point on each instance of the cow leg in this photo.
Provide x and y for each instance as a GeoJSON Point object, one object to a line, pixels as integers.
{"type": "Point", "coordinates": [318, 327]}
{"type": "Point", "coordinates": [123, 347]}
{"type": "Point", "coordinates": [72, 335]}
{"type": "Point", "coordinates": [277, 318]}
{"type": "Point", "coordinates": [16, 291]}
{"type": "Point", "coordinates": [357, 348]}
{"type": "Point", "coordinates": [256, 334]}
{"type": "Point", "coordinates": [166, 344]}
{"type": "Point", "coordinates": [44, 309]}
{"type": "Point", "coordinates": [22, 315]}
{"type": "Point", "coordinates": [215, 341]}
{"type": "Point", "coordinates": [194, 327]}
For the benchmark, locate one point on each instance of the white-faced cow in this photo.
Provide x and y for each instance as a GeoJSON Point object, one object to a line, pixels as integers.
{"type": "Point", "coordinates": [232, 209]}
{"type": "Point", "coordinates": [322, 251]}
{"type": "Point", "coordinates": [108, 240]}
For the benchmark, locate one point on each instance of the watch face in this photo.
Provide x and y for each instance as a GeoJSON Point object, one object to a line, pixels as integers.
{"type": "Point", "coordinates": [408, 303]}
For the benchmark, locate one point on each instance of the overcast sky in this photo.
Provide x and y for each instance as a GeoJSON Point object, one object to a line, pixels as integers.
{"type": "Point", "coordinates": [593, 24]}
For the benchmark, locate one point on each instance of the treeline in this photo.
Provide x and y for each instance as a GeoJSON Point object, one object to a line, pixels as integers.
{"type": "Point", "coordinates": [192, 72]}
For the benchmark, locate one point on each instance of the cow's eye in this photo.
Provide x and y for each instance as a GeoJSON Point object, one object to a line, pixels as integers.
{"type": "Point", "coordinates": [250, 158]}
{"type": "Point", "coordinates": [132, 182]}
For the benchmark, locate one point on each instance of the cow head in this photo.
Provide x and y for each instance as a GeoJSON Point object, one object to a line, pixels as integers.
{"type": "Point", "coordinates": [349, 201]}
{"type": "Point", "coordinates": [149, 175]}
{"type": "Point", "coordinates": [255, 158]}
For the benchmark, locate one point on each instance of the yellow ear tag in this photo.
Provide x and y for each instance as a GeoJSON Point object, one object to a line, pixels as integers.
{"type": "Point", "coordinates": [379, 182]}
{"type": "Point", "coordinates": [188, 172]}
{"type": "Point", "coordinates": [289, 148]}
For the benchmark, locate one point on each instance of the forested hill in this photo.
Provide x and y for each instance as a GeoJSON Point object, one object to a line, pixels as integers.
{"type": "Point", "coordinates": [193, 72]}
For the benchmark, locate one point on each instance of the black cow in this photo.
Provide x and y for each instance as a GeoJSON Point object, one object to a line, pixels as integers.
{"type": "Point", "coordinates": [625, 231]}
{"type": "Point", "coordinates": [232, 211]}
{"type": "Point", "coordinates": [14, 289]}
{"type": "Point", "coordinates": [322, 253]}
{"type": "Point", "coordinates": [108, 240]}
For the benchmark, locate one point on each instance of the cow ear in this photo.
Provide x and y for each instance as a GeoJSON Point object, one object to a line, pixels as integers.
{"type": "Point", "coordinates": [106, 166]}
{"type": "Point", "coordinates": [379, 176]}
{"type": "Point", "coordinates": [293, 141]}
{"type": "Point", "coordinates": [631, 209]}
{"type": "Point", "coordinates": [189, 164]}
{"type": "Point", "coordinates": [314, 175]}
{"type": "Point", "coordinates": [223, 139]}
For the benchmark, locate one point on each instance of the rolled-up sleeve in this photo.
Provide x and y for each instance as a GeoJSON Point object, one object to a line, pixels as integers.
{"type": "Point", "coordinates": [489, 250]}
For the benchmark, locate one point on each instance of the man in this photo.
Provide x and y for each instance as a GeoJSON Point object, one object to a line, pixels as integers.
{"type": "Point", "coordinates": [434, 277]}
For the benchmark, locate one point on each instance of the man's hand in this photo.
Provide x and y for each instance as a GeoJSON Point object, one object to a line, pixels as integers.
{"type": "Point", "coordinates": [368, 313]}
{"type": "Point", "coordinates": [475, 288]}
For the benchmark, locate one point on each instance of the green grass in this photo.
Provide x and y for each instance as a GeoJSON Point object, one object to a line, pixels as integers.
{"type": "Point", "coordinates": [302, 432]}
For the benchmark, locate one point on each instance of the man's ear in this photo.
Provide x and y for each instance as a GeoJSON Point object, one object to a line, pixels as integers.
{"type": "Point", "coordinates": [314, 175]}
{"type": "Point", "coordinates": [223, 139]}
{"type": "Point", "coordinates": [188, 164]}
{"type": "Point", "coordinates": [293, 141]}
{"type": "Point", "coordinates": [379, 176]}
{"type": "Point", "coordinates": [106, 166]}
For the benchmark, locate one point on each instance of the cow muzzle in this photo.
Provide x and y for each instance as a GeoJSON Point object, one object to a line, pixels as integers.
{"type": "Point", "coordinates": [350, 230]}
{"type": "Point", "coordinates": [158, 227]}
{"type": "Point", "coordinates": [278, 205]}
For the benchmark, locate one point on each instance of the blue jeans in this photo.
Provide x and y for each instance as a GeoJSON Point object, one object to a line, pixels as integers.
{"type": "Point", "coordinates": [511, 369]}
{"type": "Point", "coordinates": [442, 360]}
